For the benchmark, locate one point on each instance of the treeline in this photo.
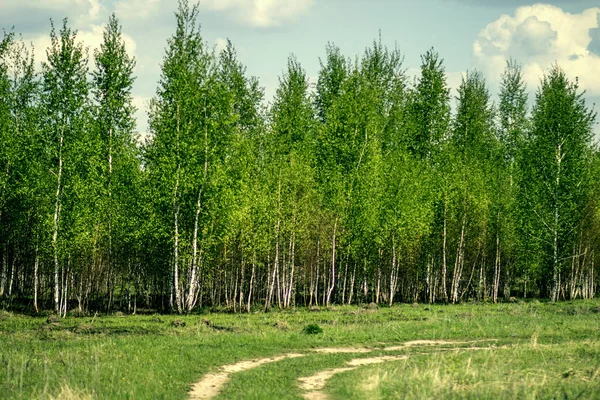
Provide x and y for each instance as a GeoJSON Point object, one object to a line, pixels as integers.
{"type": "Point", "coordinates": [365, 188]}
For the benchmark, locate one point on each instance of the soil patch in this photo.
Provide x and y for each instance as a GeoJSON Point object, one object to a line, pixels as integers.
{"type": "Point", "coordinates": [315, 383]}
{"type": "Point", "coordinates": [211, 384]}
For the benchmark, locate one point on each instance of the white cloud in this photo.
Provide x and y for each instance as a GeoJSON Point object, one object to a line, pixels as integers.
{"type": "Point", "coordinates": [261, 13]}
{"type": "Point", "coordinates": [220, 44]}
{"type": "Point", "coordinates": [94, 11]}
{"type": "Point", "coordinates": [80, 13]}
{"type": "Point", "coordinates": [537, 36]}
{"type": "Point", "coordinates": [9, 5]}
{"type": "Point", "coordinates": [136, 9]}
{"type": "Point", "coordinates": [141, 115]}
{"type": "Point", "coordinates": [40, 44]}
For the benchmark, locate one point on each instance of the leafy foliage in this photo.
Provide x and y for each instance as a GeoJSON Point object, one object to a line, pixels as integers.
{"type": "Point", "coordinates": [365, 187]}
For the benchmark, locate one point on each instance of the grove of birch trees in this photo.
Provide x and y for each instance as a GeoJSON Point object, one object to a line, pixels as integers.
{"type": "Point", "coordinates": [370, 186]}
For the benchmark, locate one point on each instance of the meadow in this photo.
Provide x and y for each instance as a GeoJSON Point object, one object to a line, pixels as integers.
{"type": "Point", "coordinates": [525, 350]}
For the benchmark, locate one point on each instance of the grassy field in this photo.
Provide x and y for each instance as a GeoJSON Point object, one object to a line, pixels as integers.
{"type": "Point", "coordinates": [539, 350]}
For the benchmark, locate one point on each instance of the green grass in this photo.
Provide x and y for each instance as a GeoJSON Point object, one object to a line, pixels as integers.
{"type": "Point", "coordinates": [553, 350]}
{"type": "Point", "coordinates": [526, 371]}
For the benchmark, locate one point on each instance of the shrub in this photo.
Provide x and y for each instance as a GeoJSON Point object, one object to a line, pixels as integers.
{"type": "Point", "coordinates": [282, 325]}
{"type": "Point", "coordinates": [312, 329]}
{"type": "Point", "coordinates": [178, 323]}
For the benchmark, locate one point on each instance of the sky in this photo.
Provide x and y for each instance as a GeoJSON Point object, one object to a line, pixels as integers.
{"type": "Point", "coordinates": [468, 34]}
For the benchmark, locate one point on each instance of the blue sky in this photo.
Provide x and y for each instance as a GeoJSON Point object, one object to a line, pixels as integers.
{"type": "Point", "coordinates": [467, 33]}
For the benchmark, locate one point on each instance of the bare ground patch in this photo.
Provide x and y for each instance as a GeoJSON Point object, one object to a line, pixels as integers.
{"type": "Point", "coordinates": [212, 383]}
{"type": "Point", "coordinates": [313, 385]}
{"type": "Point", "coordinates": [338, 350]}
{"type": "Point", "coordinates": [415, 343]}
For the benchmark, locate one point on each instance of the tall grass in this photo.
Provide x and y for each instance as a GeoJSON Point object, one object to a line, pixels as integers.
{"type": "Point", "coordinates": [148, 357]}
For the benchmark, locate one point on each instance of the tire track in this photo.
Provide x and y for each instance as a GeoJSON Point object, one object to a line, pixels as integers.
{"type": "Point", "coordinates": [211, 384]}
{"type": "Point", "coordinates": [313, 385]}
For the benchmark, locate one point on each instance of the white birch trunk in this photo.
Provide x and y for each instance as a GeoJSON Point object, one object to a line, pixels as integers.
{"type": "Point", "coordinates": [176, 287]}
{"type": "Point", "coordinates": [56, 219]}
{"type": "Point", "coordinates": [352, 280]}
{"type": "Point", "coordinates": [35, 278]}
{"type": "Point", "coordinates": [496, 286]}
{"type": "Point", "coordinates": [332, 277]}
{"type": "Point", "coordinates": [555, 261]}
{"type": "Point", "coordinates": [251, 282]}
{"type": "Point", "coordinates": [393, 275]}
{"type": "Point", "coordinates": [458, 264]}
{"type": "Point", "coordinates": [12, 277]}
{"type": "Point", "coordinates": [292, 262]}
{"type": "Point", "coordinates": [191, 301]}
{"type": "Point", "coordinates": [444, 264]}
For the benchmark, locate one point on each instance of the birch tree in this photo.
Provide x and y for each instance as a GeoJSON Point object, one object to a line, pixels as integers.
{"type": "Point", "coordinates": [64, 101]}
{"type": "Point", "coordinates": [429, 129]}
{"type": "Point", "coordinates": [292, 131]}
{"type": "Point", "coordinates": [190, 122]}
{"type": "Point", "coordinates": [430, 106]}
{"type": "Point", "coordinates": [473, 141]}
{"type": "Point", "coordinates": [114, 121]}
{"type": "Point", "coordinates": [6, 151]}
{"type": "Point", "coordinates": [512, 127]}
{"type": "Point", "coordinates": [556, 176]}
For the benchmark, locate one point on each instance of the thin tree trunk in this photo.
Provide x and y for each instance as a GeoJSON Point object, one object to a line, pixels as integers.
{"type": "Point", "coordinates": [345, 280]}
{"type": "Point", "coordinates": [65, 291]}
{"type": "Point", "coordinates": [251, 281]}
{"type": "Point", "coordinates": [572, 284]}
{"type": "Point", "coordinates": [271, 289]}
{"type": "Point", "coordinates": [325, 286]}
{"type": "Point", "coordinates": [444, 265]}
{"type": "Point", "coordinates": [176, 261]}
{"type": "Point", "coordinates": [482, 283]}
{"type": "Point", "coordinates": [317, 271]}
{"type": "Point", "coordinates": [175, 288]}
{"type": "Point", "coordinates": [332, 277]}
{"type": "Point", "coordinates": [378, 286]}
{"type": "Point", "coordinates": [555, 261]}
{"type": "Point", "coordinates": [193, 274]}
{"type": "Point", "coordinates": [496, 271]}
{"type": "Point", "coordinates": [507, 282]}
{"type": "Point", "coordinates": [242, 280]}
{"type": "Point", "coordinates": [200, 290]}
{"type": "Point", "coordinates": [12, 276]}
{"type": "Point", "coordinates": [62, 292]}
{"type": "Point", "coordinates": [428, 280]}
{"type": "Point", "coordinates": [35, 278]}
{"type": "Point", "coordinates": [276, 259]}
{"type": "Point", "coordinates": [459, 263]}
{"type": "Point", "coordinates": [80, 295]}
{"type": "Point", "coordinates": [57, 207]}
{"type": "Point", "coordinates": [282, 281]}
{"type": "Point", "coordinates": [110, 209]}
{"type": "Point", "coordinates": [393, 274]}
{"type": "Point", "coordinates": [276, 273]}
{"type": "Point", "coordinates": [272, 285]}
{"type": "Point", "coordinates": [311, 284]}
{"type": "Point", "coordinates": [292, 262]}
{"type": "Point", "coordinates": [5, 256]}
{"type": "Point", "coordinates": [592, 288]}
{"type": "Point", "coordinates": [4, 271]}
{"type": "Point", "coordinates": [378, 290]}
{"type": "Point", "coordinates": [193, 277]}
{"type": "Point", "coordinates": [352, 280]}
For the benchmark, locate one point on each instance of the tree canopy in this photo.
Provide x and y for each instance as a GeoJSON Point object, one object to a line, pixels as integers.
{"type": "Point", "coordinates": [366, 187]}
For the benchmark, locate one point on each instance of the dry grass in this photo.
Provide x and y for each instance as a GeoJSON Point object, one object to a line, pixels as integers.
{"type": "Point", "coordinates": [68, 393]}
